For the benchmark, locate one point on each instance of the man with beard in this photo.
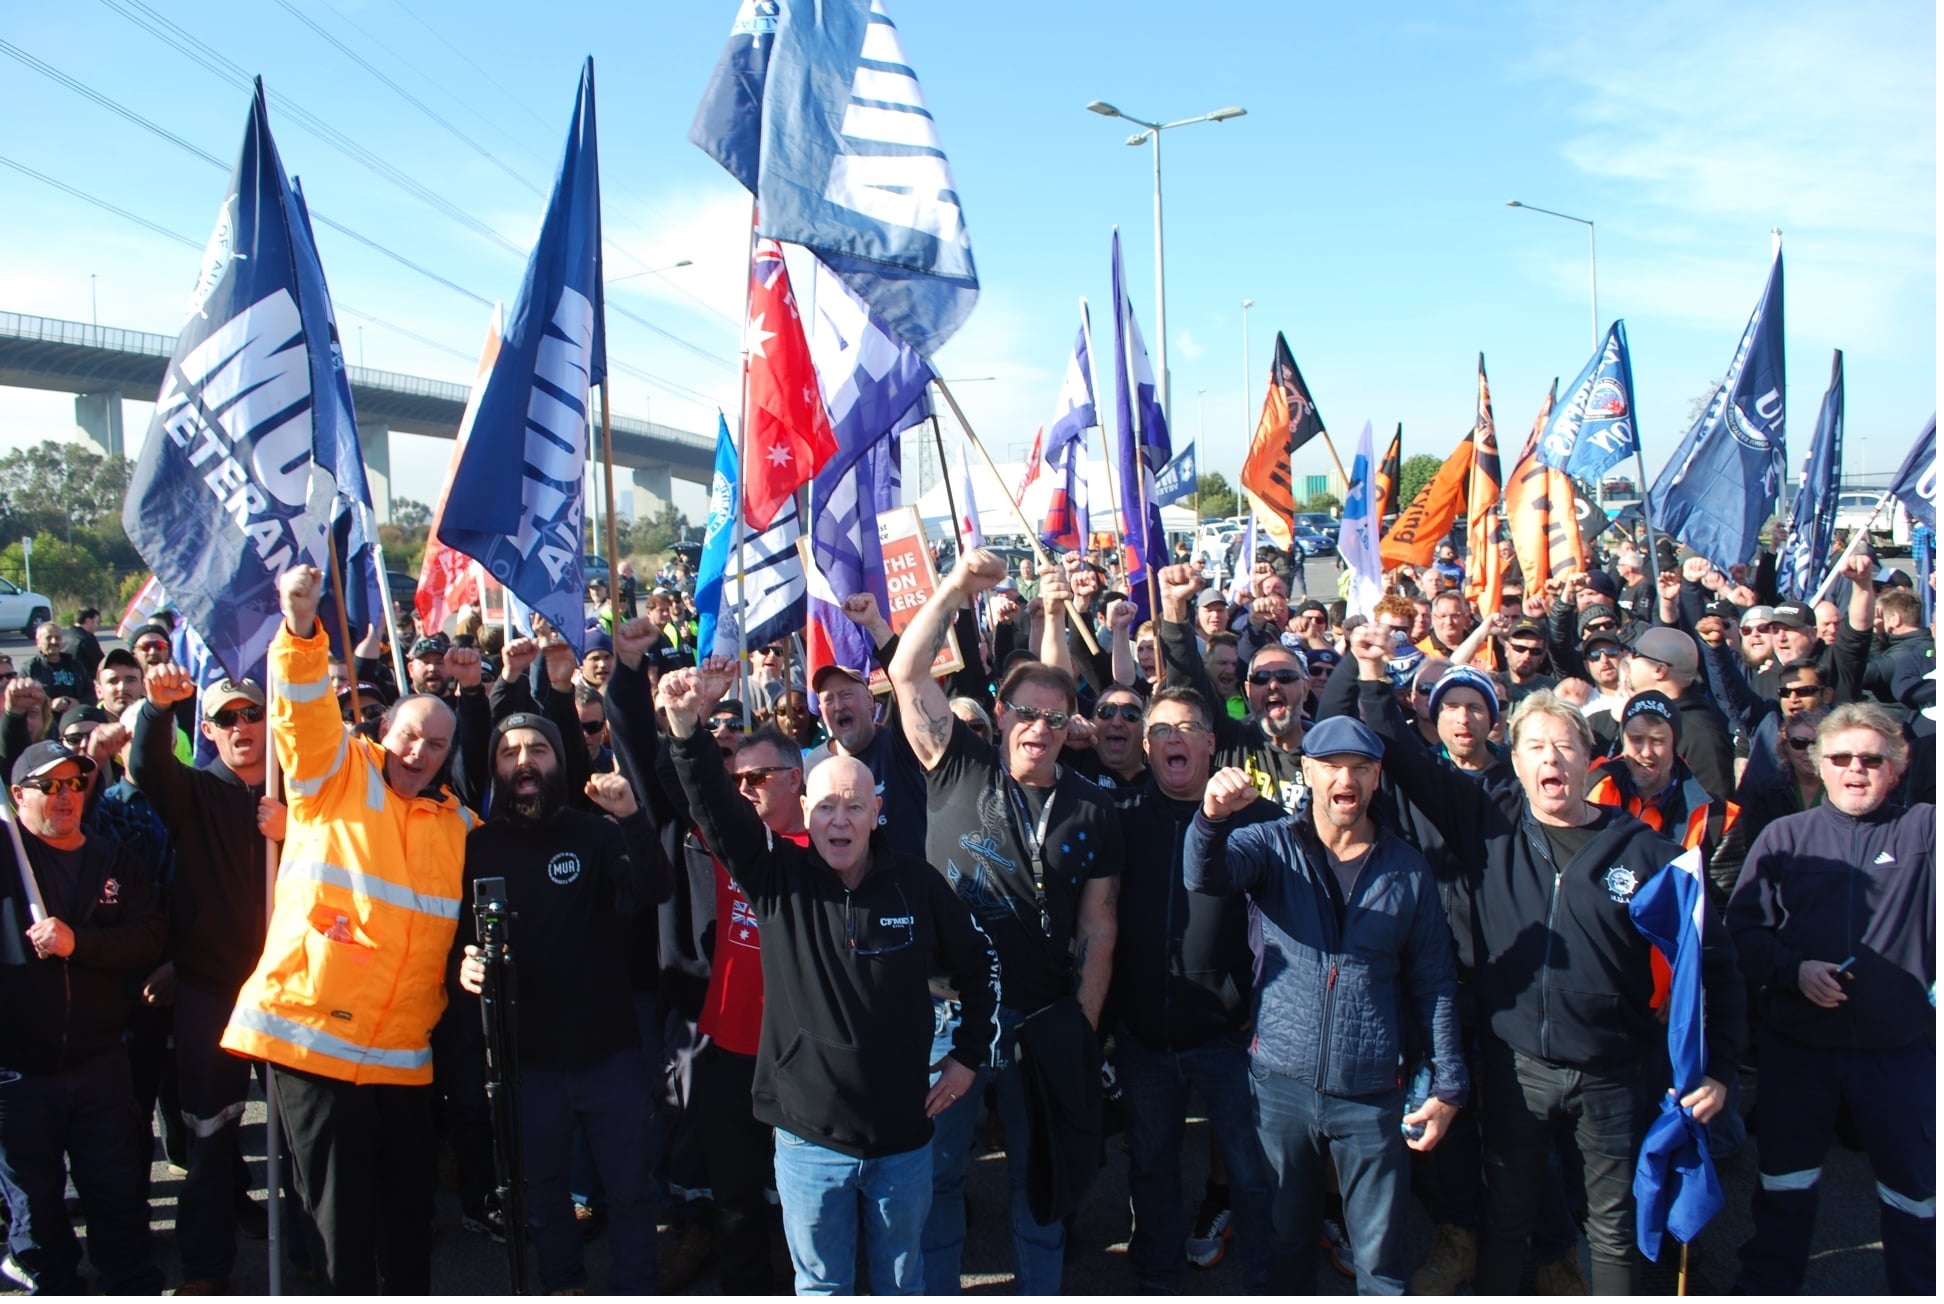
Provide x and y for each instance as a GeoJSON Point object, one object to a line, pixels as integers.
{"type": "Point", "coordinates": [1182, 973]}
{"type": "Point", "coordinates": [572, 881]}
{"type": "Point", "coordinates": [1268, 744]}
{"type": "Point", "coordinates": [1350, 927]}
{"type": "Point", "coordinates": [426, 665]}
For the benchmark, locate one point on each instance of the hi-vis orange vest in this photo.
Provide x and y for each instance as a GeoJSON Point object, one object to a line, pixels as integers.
{"type": "Point", "coordinates": [352, 976]}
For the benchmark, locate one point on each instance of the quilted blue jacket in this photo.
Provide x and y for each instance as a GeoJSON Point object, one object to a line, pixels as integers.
{"type": "Point", "coordinates": [1335, 979]}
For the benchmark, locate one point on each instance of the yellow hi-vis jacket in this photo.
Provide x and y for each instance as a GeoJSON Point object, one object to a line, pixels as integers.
{"type": "Point", "coordinates": [352, 976]}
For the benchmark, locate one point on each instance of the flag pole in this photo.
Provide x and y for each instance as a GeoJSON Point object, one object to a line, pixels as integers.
{"type": "Point", "coordinates": [1861, 533]}
{"type": "Point", "coordinates": [344, 627]}
{"type": "Point", "coordinates": [1025, 526]}
{"type": "Point", "coordinates": [951, 500]}
{"type": "Point", "coordinates": [1106, 454]}
{"type": "Point", "coordinates": [607, 468]}
{"type": "Point", "coordinates": [272, 1115]}
{"type": "Point", "coordinates": [36, 904]}
{"type": "Point", "coordinates": [1680, 1279]}
{"type": "Point", "coordinates": [742, 504]}
{"type": "Point", "coordinates": [391, 613]}
{"type": "Point", "coordinates": [1341, 473]}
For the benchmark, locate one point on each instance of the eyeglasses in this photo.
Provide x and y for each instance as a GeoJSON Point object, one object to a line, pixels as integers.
{"type": "Point", "coordinates": [152, 646]}
{"type": "Point", "coordinates": [1028, 714]}
{"type": "Point", "coordinates": [725, 723]}
{"type": "Point", "coordinates": [756, 778]}
{"type": "Point", "coordinates": [769, 652]}
{"type": "Point", "coordinates": [1526, 649]}
{"type": "Point", "coordinates": [1763, 628]}
{"type": "Point", "coordinates": [1189, 729]}
{"type": "Point", "coordinates": [229, 719]}
{"type": "Point", "coordinates": [592, 727]}
{"type": "Point", "coordinates": [77, 784]}
{"type": "Point", "coordinates": [1843, 760]}
{"type": "Point", "coordinates": [1128, 711]}
{"type": "Point", "coordinates": [1801, 690]}
{"type": "Point", "coordinates": [1595, 626]}
{"type": "Point", "coordinates": [76, 737]}
{"type": "Point", "coordinates": [1603, 653]}
{"type": "Point", "coordinates": [1802, 744]}
{"type": "Point", "coordinates": [1281, 675]}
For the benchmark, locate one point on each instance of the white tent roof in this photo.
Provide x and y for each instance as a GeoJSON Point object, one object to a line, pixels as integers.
{"type": "Point", "coordinates": [996, 518]}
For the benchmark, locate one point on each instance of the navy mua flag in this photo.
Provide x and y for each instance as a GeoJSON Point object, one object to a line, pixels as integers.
{"type": "Point", "coordinates": [525, 528]}
{"type": "Point", "coordinates": [253, 450]}
{"type": "Point", "coordinates": [814, 108]}
{"type": "Point", "coordinates": [1916, 482]}
{"type": "Point", "coordinates": [1719, 488]}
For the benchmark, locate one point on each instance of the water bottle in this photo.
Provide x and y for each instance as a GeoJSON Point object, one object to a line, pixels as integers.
{"type": "Point", "coordinates": [341, 930]}
{"type": "Point", "coordinates": [1414, 1097]}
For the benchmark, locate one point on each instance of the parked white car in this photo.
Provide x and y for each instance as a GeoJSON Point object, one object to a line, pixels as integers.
{"type": "Point", "coordinates": [22, 610]}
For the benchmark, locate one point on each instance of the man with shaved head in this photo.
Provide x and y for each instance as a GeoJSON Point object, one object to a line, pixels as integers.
{"type": "Point", "coordinates": [852, 932]}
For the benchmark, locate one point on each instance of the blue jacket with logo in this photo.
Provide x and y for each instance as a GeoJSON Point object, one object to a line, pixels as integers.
{"type": "Point", "coordinates": [1334, 978]}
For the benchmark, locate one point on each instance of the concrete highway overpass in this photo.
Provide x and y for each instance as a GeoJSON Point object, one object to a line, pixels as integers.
{"type": "Point", "coordinates": [101, 365]}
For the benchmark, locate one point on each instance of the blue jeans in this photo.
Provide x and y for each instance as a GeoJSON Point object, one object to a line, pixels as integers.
{"type": "Point", "coordinates": [1039, 1253]}
{"type": "Point", "coordinates": [829, 1198]}
{"type": "Point", "coordinates": [80, 1119]}
{"type": "Point", "coordinates": [606, 1099]}
{"type": "Point", "coordinates": [1300, 1127]}
{"type": "Point", "coordinates": [1155, 1086]}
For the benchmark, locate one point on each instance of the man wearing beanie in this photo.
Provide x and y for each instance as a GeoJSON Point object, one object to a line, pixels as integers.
{"type": "Point", "coordinates": [572, 879]}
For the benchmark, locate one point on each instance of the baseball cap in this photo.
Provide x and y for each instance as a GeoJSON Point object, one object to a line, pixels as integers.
{"type": "Point", "coordinates": [44, 758]}
{"type": "Point", "coordinates": [1464, 677]}
{"type": "Point", "coordinates": [1658, 706]}
{"type": "Point", "coordinates": [1211, 598]}
{"type": "Point", "coordinates": [1528, 629]}
{"type": "Point", "coordinates": [367, 691]}
{"type": "Point", "coordinates": [1343, 735]}
{"type": "Point", "coordinates": [1727, 610]}
{"type": "Point", "coordinates": [1602, 636]}
{"type": "Point", "coordinates": [230, 691]}
{"type": "Point", "coordinates": [84, 715]}
{"type": "Point", "coordinates": [1793, 615]}
{"type": "Point", "coordinates": [119, 657]}
{"type": "Point", "coordinates": [431, 645]}
{"type": "Point", "coordinates": [833, 669]}
{"type": "Point", "coordinates": [1758, 614]}
{"type": "Point", "coordinates": [1670, 647]}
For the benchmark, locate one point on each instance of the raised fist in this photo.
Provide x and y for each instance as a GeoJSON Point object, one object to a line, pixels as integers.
{"type": "Point", "coordinates": [861, 609]}
{"type": "Point", "coordinates": [1859, 568]}
{"type": "Point", "coordinates": [105, 741]}
{"type": "Point", "coordinates": [25, 695]}
{"type": "Point", "coordinates": [978, 571]}
{"type": "Point", "coordinates": [298, 591]}
{"type": "Point", "coordinates": [562, 664]}
{"type": "Point", "coordinates": [462, 664]}
{"type": "Point", "coordinates": [714, 677]}
{"type": "Point", "coordinates": [1179, 583]}
{"type": "Point", "coordinates": [1695, 568]}
{"type": "Point", "coordinates": [1121, 614]}
{"type": "Point", "coordinates": [1054, 588]}
{"type": "Point", "coordinates": [1370, 645]}
{"type": "Point", "coordinates": [1229, 792]}
{"type": "Point", "coordinates": [518, 656]}
{"type": "Point", "coordinates": [1669, 584]}
{"type": "Point", "coordinates": [613, 794]}
{"type": "Point", "coordinates": [633, 638]}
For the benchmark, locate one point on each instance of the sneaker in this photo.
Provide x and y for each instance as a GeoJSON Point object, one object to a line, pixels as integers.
{"type": "Point", "coordinates": [201, 1286]}
{"type": "Point", "coordinates": [1337, 1241]}
{"type": "Point", "coordinates": [485, 1219]}
{"type": "Point", "coordinates": [10, 1269]}
{"type": "Point", "coordinates": [591, 1221]}
{"type": "Point", "coordinates": [1453, 1262]}
{"type": "Point", "coordinates": [252, 1220]}
{"type": "Point", "coordinates": [1560, 1277]}
{"type": "Point", "coordinates": [1208, 1240]}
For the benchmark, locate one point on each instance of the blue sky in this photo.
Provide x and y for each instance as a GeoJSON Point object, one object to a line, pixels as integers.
{"type": "Point", "coordinates": [1360, 204]}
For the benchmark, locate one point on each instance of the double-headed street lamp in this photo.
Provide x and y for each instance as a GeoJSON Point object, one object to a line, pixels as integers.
{"type": "Point", "coordinates": [1153, 132]}
{"type": "Point", "coordinates": [1592, 257]}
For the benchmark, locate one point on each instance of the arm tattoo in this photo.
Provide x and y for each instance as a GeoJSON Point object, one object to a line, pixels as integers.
{"type": "Point", "coordinates": [936, 726]}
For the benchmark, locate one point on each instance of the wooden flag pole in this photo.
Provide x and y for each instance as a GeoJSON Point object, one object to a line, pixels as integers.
{"type": "Point", "coordinates": [1025, 526]}
{"type": "Point", "coordinates": [1345, 475]}
{"type": "Point", "coordinates": [344, 628]}
{"type": "Point", "coordinates": [1681, 1277]}
{"type": "Point", "coordinates": [607, 470]}
{"type": "Point", "coordinates": [945, 478]}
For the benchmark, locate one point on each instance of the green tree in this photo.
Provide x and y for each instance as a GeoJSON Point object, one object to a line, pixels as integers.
{"type": "Point", "coordinates": [1417, 472]}
{"type": "Point", "coordinates": [410, 514]}
{"type": "Point", "coordinates": [65, 489]}
{"type": "Point", "coordinates": [1323, 502]}
{"type": "Point", "coordinates": [1214, 496]}
{"type": "Point", "coordinates": [655, 534]}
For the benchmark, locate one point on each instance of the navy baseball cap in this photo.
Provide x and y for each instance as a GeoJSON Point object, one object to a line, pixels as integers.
{"type": "Point", "coordinates": [1343, 735]}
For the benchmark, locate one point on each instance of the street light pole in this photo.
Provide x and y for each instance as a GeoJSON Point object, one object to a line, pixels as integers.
{"type": "Point", "coordinates": [1248, 378]}
{"type": "Point", "coordinates": [1592, 257]}
{"type": "Point", "coordinates": [1153, 132]}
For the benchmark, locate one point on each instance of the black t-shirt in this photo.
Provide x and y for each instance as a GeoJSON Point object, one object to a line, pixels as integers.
{"type": "Point", "coordinates": [982, 830]}
{"type": "Point", "coordinates": [1567, 842]}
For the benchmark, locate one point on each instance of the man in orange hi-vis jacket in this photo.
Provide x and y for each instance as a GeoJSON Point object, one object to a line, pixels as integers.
{"type": "Point", "coordinates": [352, 977]}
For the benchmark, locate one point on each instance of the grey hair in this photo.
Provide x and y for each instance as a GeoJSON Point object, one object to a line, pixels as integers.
{"type": "Point", "coordinates": [1876, 718]}
{"type": "Point", "coordinates": [1548, 703]}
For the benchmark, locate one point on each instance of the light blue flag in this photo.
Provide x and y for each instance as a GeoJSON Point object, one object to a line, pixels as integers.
{"type": "Point", "coordinates": [814, 106]}
{"type": "Point", "coordinates": [1594, 427]}
{"type": "Point", "coordinates": [1719, 488]}
{"type": "Point", "coordinates": [1360, 537]}
{"type": "Point", "coordinates": [1812, 516]}
{"type": "Point", "coordinates": [526, 528]}
{"type": "Point", "coordinates": [718, 537]}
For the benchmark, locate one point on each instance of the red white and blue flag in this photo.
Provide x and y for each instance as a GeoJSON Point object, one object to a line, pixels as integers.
{"type": "Point", "coordinates": [968, 504]}
{"type": "Point", "coordinates": [1063, 463]}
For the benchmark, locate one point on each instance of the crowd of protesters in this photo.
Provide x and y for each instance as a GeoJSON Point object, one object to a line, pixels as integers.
{"type": "Point", "coordinates": [1355, 889]}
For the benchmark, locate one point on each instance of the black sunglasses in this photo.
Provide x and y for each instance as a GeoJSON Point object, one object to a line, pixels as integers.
{"type": "Point", "coordinates": [1602, 653]}
{"type": "Point", "coordinates": [1280, 675]}
{"type": "Point", "coordinates": [1801, 690]}
{"type": "Point", "coordinates": [229, 719]}
{"type": "Point", "coordinates": [756, 778]}
{"type": "Point", "coordinates": [1128, 711]}
{"type": "Point", "coordinates": [76, 737]}
{"type": "Point", "coordinates": [1028, 714]}
{"type": "Point", "coordinates": [1802, 744]}
{"type": "Point", "coordinates": [725, 722]}
{"type": "Point", "coordinates": [1843, 760]}
{"type": "Point", "coordinates": [592, 727]}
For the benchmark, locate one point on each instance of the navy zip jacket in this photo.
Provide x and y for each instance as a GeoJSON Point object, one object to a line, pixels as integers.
{"type": "Point", "coordinates": [1823, 885]}
{"type": "Point", "coordinates": [1183, 969]}
{"type": "Point", "coordinates": [1334, 976]}
{"type": "Point", "coordinates": [1564, 975]}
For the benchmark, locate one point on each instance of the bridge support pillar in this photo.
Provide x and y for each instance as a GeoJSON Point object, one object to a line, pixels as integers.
{"type": "Point", "coordinates": [374, 438]}
{"type": "Point", "coordinates": [99, 417]}
{"type": "Point", "coordinates": [652, 490]}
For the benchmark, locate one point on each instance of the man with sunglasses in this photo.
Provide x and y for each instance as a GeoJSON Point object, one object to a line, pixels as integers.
{"type": "Point", "coordinates": [1312, 625]}
{"type": "Point", "coordinates": [216, 816]}
{"type": "Point", "coordinates": [852, 932]}
{"type": "Point", "coordinates": [66, 1103]}
{"type": "Point", "coordinates": [1833, 916]}
{"type": "Point", "coordinates": [1182, 976]}
{"type": "Point", "coordinates": [1115, 760]}
{"type": "Point", "coordinates": [1034, 850]}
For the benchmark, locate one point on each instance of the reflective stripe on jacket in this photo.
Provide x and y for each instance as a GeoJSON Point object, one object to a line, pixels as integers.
{"type": "Point", "coordinates": [352, 976]}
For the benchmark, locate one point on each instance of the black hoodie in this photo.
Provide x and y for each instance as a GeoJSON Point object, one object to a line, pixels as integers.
{"type": "Point", "coordinates": [845, 1055]}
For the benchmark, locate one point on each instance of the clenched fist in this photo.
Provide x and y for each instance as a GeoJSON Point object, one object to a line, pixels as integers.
{"type": "Point", "coordinates": [518, 656]}
{"type": "Point", "coordinates": [613, 794]}
{"type": "Point", "coordinates": [298, 591]}
{"type": "Point", "coordinates": [1229, 792]}
{"type": "Point", "coordinates": [463, 665]}
{"type": "Point", "coordinates": [976, 572]}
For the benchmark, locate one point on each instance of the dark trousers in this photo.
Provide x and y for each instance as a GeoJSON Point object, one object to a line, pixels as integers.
{"type": "Point", "coordinates": [1155, 1085]}
{"type": "Point", "coordinates": [151, 1065]}
{"type": "Point", "coordinates": [1302, 1129]}
{"type": "Point", "coordinates": [1892, 1096]}
{"type": "Point", "coordinates": [608, 1100]}
{"type": "Point", "coordinates": [738, 1150]}
{"type": "Point", "coordinates": [1528, 1102]}
{"type": "Point", "coordinates": [465, 1120]}
{"type": "Point", "coordinates": [83, 1116]}
{"type": "Point", "coordinates": [214, 1085]}
{"type": "Point", "coordinates": [366, 1162]}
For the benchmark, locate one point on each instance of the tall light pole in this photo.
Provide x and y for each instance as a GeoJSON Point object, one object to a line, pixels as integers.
{"type": "Point", "coordinates": [1592, 257]}
{"type": "Point", "coordinates": [1153, 133]}
{"type": "Point", "coordinates": [649, 271]}
{"type": "Point", "coordinates": [1248, 378]}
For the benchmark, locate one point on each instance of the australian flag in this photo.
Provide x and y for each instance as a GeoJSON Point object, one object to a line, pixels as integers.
{"type": "Point", "coordinates": [1594, 427]}
{"type": "Point", "coordinates": [253, 451]}
{"type": "Point", "coordinates": [1675, 1188]}
{"type": "Point", "coordinates": [1812, 516]}
{"type": "Point", "coordinates": [525, 528]}
{"type": "Point", "coordinates": [1141, 445]}
{"type": "Point", "coordinates": [1719, 488]}
{"type": "Point", "coordinates": [815, 109]}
